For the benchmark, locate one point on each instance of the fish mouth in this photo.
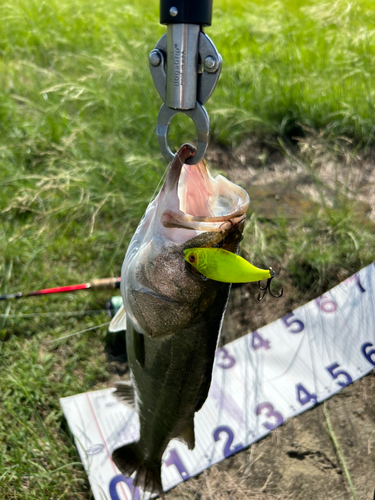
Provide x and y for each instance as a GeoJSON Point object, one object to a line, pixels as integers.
{"type": "Point", "coordinates": [198, 201]}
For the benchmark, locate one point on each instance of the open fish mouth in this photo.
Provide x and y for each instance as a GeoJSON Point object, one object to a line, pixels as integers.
{"type": "Point", "coordinates": [198, 201]}
{"type": "Point", "coordinates": [191, 210]}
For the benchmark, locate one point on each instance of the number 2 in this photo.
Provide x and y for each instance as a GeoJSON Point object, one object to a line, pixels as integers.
{"type": "Point", "coordinates": [227, 447]}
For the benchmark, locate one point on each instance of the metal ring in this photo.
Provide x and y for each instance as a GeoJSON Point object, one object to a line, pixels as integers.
{"type": "Point", "coordinates": [201, 121]}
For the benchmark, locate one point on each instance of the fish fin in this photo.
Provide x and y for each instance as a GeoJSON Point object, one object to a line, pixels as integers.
{"type": "Point", "coordinates": [188, 435]}
{"type": "Point", "coordinates": [125, 394]}
{"type": "Point", "coordinates": [118, 322]}
{"type": "Point", "coordinates": [128, 459]}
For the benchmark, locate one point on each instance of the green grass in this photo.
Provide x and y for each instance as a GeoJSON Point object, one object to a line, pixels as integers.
{"type": "Point", "coordinates": [338, 449]}
{"type": "Point", "coordinates": [296, 62]}
{"type": "Point", "coordinates": [79, 160]}
{"type": "Point", "coordinates": [329, 240]}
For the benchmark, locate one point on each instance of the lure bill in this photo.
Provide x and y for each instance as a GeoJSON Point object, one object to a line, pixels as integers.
{"type": "Point", "coordinates": [220, 265]}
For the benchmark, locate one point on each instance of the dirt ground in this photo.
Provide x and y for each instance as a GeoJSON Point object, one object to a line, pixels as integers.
{"type": "Point", "coordinates": [297, 460]}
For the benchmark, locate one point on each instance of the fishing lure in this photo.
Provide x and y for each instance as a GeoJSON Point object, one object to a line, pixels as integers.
{"type": "Point", "coordinates": [220, 265]}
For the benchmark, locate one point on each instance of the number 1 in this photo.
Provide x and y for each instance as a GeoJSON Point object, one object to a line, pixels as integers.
{"type": "Point", "coordinates": [174, 459]}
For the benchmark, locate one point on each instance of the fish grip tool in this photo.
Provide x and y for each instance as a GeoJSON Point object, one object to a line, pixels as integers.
{"type": "Point", "coordinates": [185, 67]}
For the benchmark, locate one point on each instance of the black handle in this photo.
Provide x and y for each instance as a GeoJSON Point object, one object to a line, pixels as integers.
{"type": "Point", "coordinates": [186, 11]}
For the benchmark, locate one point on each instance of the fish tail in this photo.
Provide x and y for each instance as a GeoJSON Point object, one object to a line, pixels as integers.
{"type": "Point", "coordinates": [129, 459]}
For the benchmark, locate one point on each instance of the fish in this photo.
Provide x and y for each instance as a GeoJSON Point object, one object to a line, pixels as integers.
{"type": "Point", "coordinates": [220, 265]}
{"type": "Point", "coordinates": [173, 316]}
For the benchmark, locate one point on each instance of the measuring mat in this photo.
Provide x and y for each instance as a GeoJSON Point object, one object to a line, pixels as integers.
{"type": "Point", "coordinates": [258, 382]}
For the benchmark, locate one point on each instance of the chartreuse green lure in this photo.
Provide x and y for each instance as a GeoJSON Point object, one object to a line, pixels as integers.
{"type": "Point", "coordinates": [220, 265]}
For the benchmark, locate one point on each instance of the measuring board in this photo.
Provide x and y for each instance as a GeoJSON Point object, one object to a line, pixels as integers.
{"type": "Point", "coordinates": [258, 382]}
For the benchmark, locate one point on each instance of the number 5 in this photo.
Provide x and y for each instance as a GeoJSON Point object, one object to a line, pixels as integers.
{"type": "Point", "coordinates": [331, 370]}
{"type": "Point", "coordinates": [288, 320]}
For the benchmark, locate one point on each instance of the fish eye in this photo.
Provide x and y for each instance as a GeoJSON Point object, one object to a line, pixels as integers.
{"type": "Point", "coordinates": [192, 258]}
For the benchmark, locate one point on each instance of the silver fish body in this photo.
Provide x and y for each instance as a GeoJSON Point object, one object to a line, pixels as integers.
{"type": "Point", "coordinates": [173, 315]}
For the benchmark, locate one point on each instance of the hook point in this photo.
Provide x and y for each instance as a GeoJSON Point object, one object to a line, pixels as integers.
{"type": "Point", "coordinates": [268, 287]}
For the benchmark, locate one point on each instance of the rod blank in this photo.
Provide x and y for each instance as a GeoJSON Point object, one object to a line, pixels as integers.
{"type": "Point", "coordinates": [96, 284]}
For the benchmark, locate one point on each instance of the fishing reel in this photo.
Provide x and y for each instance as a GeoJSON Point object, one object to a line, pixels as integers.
{"type": "Point", "coordinates": [185, 67]}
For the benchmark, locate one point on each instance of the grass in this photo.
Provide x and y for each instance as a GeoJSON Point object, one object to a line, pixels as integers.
{"type": "Point", "coordinates": [79, 161]}
{"type": "Point", "coordinates": [332, 240]}
{"type": "Point", "coordinates": [339, 451]}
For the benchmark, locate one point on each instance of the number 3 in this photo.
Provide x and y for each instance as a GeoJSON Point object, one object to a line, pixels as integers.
{"type": "Point", "coordinates": [227, 361]}
{"type": "Point", "coordinates": [271, 413]}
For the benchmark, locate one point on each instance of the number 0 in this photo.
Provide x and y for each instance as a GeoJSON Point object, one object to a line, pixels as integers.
{"type": "Point", "coordinates": [123, 479]}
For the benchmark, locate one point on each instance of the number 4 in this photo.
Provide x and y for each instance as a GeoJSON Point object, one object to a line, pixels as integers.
{"type": "Point", "coordinates": [304, 396]}
{"type": "Point", "coordinates": [257, 341]}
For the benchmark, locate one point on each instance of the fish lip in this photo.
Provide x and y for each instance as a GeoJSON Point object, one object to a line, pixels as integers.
{"type": "Point", "coordinates": [177, 218]}
{"type": "Point", "coordinates": [228, 240]}
{"type": "Point", "coordinates": [185, 152]}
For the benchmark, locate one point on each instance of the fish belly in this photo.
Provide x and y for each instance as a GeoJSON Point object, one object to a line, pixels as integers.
{"type": "Point", "coordinates": [172, 376]}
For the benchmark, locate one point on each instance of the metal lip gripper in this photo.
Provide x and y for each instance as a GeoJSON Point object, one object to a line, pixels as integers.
{"type": "Point", "coordinates": [185, 67]}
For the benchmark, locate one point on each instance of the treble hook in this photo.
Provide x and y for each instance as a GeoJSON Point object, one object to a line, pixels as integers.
{"type": "Point", "coordinates": [267, 287]}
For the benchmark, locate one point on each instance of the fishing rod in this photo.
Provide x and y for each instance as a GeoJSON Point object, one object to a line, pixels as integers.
{"type": "Point", "coordinates": [96, 284]}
